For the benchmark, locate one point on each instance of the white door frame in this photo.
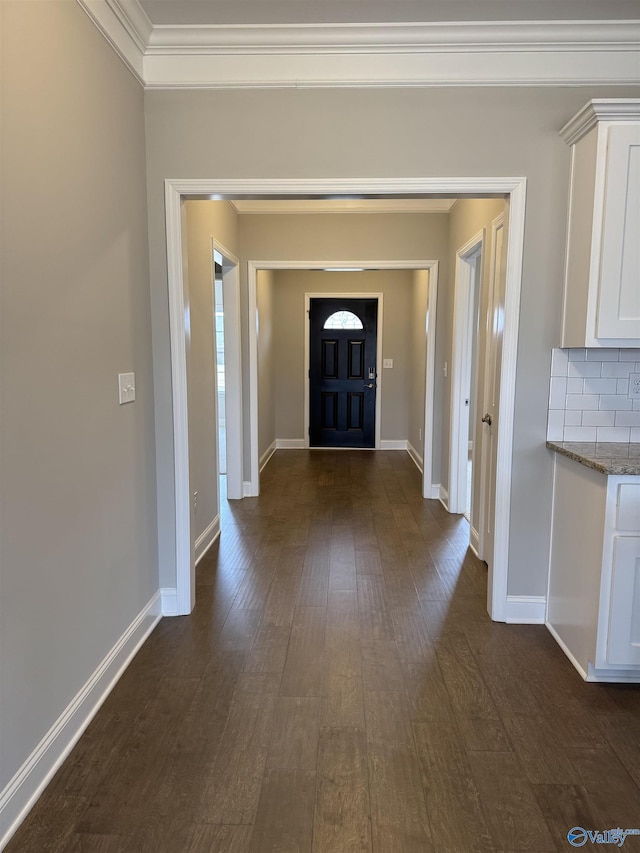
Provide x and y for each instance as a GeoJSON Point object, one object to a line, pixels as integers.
{"type": "Point", "coordinates": [461, 366]}
{"type": "Point", "coordinates": [252, 487]}
{"type": "Point", "coordinates": [178, 189]}
{"type": "Point", "coordinates": [232, 368]}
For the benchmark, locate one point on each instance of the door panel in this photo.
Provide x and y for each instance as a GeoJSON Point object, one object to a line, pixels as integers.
{"type": "Point", "coordinates": [342, 374]}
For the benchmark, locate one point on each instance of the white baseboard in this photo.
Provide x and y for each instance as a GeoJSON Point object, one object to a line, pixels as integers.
{"type": "Point", "coordinates": [290, 444]}
{"type": "Point", "coordinates": [249, 489]}
{"type": "Point", "coordinates": [266, 456]}
{"type": "Point", "coordinates": [393, 444]}
{"type": "Point", "coordinates": [443, 497]}
{"type": "Point", "coordinates": [169, 601]}
{"type": "Point", "coordinates": [22, 792]}
{"type": "Point", "coordinates": [526, 609]}
{"type": "Point", "coordinates": [207, 538]}
{"type": "Point", "coordinates": [413, 453]}
{"type": "Point", "coordinates": [564, 648]}
{"type": "Point", "coordinates": [432, 493]}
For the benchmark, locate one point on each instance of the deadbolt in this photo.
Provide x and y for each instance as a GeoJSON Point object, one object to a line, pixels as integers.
{"type": "Point", "coordinates": [487, 419]}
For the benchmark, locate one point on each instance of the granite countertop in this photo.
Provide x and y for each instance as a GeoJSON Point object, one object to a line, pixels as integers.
{"type": "Point", "coordinates": [606, 457]}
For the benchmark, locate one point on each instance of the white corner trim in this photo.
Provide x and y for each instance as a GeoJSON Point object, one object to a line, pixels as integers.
{"type": "Point", "coordinates": [207, 538]}
{"type": "Point", "coordinates": [266, 456]}
{"type": "Point", "coordinates": [596, 110]}
{"type": "Point", "coordinates": [169, 601]}
{"type": "Point", "coordinates": [565, 649]}
{"type": "Point", "coordinates": [526, 609]}
{"type": "Point", "coordinates": [432, 494]}
{"type": "Point", "coordinates": [126, 33]}
{"type": "Point", "coordinates": [413, 453]}
{"type": "Point", "coordinates": [394, 444]}
{"type": "Point", "coordinates": [290, 444]}
{"type": "Point", "coordinates": [474, 541]}
{"type": "Point", "coordinates": [21, 793]}
{"type": "Point", "coordinates": [249, 489]}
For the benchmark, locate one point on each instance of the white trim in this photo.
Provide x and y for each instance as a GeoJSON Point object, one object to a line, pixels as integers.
{"type": "Point", "coordinates": [464, 306]}
{"type": "Point", "coordinates": [623, 676]}
{"type": "Point", "coordinates": [28, 783]}
{"type": "Point", "coordinates": [300, 207]}
{"type": "Point", "coordinates": [290, 444]}
{"type": "Point", "coordinates": [248, 490]}
{"type": "Point", "coordinates": [418, 460]}
{"type": "Point", "coordinates": [443, 496]}
{"type": "Point", "coordinates": [597, 110]}
{"type": "Point", "coordinates": [460, 53]}
{"type": "Point", "coordinates": [433, 494]}
{"type": "Point", "coordinates": [474, 541]}
{"type": "Point", "coordinates": [514, 187]}
{"type": "Point", "coordinates": [399, 69]}
{"type": "Point", "coordinates": [565, 649]}
{"type": "Point", "coordinates": [379, 337]}
{"type": "Point", "coordinates": [266, 456]}
{"type": "Point", "coordinates": [430, 381]}
{"type": "Point", "coordinates": [169, 599]}
{"type": "Point", "coordinates": [392, 37]}
{"type": "Point", "coordinates": [232, 368]}
{"type": "Point", "coordinates": [125, 31]}
{"type": "Point", "coordinates": [394, 444]}
{"type": "Point", "coordinates": [207, 538]}
{"type": "Point", "coordinates": [526, 609]}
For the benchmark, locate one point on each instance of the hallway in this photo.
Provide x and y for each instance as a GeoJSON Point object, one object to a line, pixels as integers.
{"type": "Point", "coordinates": [339, 687]}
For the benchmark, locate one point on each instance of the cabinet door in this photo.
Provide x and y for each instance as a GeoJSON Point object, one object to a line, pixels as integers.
{"type": "Point", "coordinates": [618, 291]}
{"type": "Point", "coordinates": [623, 645]}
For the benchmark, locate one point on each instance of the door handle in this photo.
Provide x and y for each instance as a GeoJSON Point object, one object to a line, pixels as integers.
{"type": "Point", "coordinates": [487, 419]}
{"type": "Point", "coordinates": [370, 385]}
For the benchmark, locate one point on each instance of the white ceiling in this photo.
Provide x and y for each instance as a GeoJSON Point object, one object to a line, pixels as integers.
{"type": "Point", "coordinates": [252, 12]}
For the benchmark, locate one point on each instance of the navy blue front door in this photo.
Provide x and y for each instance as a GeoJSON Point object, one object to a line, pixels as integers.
{"type": "Point", "coordinates": [342, 372]}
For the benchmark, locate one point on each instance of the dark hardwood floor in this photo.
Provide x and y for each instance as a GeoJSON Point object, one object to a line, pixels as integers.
{"type": "Point", "coordinates": [339, 687]}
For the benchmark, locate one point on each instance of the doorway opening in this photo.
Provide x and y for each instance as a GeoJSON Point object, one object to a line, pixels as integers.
{"type": "Point", "coordinates": [513, 189]}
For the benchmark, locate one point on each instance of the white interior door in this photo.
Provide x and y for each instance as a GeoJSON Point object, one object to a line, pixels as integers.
{"type": "Point", "coordinates": [490, 409]}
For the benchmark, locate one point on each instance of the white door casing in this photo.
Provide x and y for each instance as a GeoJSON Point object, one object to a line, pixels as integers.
{"type": "Point", "coordinates": [467, 257]}
{"type": "Point", "coordinates": [177, 189]}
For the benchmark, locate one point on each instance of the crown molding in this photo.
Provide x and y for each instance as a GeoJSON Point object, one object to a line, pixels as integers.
{"type": "Point", "coordinates": [597, 110]}
{"type": "Point", "coordinates": [527, 53]}
{"type": "Point", "coordinates": [475, 36]}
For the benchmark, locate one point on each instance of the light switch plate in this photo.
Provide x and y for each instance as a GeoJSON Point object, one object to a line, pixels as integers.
{"type": "Point", "coordinates": [387, 362]}
{"type": "Point", "coordinates": [126, 387]}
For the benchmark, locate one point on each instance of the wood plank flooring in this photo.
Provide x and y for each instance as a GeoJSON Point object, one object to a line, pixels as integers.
{"type": "Point", "coordinates": [339, 687]}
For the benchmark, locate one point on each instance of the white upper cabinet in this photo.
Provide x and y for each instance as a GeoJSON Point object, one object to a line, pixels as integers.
{"type": "Point", "coordinates": [602, 277]}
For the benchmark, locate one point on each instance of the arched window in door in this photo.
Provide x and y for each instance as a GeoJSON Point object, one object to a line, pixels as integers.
{"type": "Point", "coordinates": [343, 320]}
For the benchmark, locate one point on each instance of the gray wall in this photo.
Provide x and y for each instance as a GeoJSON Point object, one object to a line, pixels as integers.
{"type": "Point", "coordinates": [205, 220]}
{"type": "Point", "coordinates": [291, 286]}
{"type": "Point", "coordinates": [392, 133]}
{"type": "Point", "coordinates": [78, 553]}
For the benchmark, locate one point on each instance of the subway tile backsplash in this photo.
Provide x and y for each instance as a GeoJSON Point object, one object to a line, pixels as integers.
{"type": "Point", "coordinates": [588, 395]}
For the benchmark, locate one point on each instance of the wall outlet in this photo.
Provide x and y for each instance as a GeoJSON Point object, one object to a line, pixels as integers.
{"type": "Point", "coordinates": [419, 433]}
{"type": "Point", "coordinates": [387, 362]}
{"type": "Point", "coordinates": [634, 386]}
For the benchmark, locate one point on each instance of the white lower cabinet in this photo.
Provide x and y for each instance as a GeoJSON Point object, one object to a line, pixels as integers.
{"type": "Point", "coordinates": [594, 581]}
{"type": "Point", "coordinates": [623, 628]}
